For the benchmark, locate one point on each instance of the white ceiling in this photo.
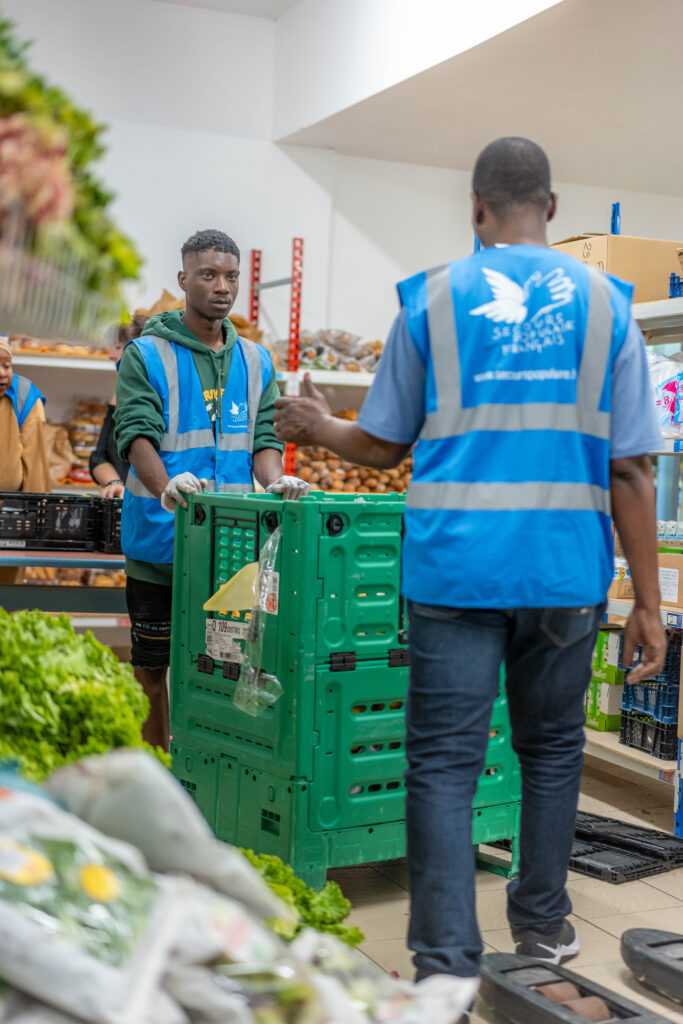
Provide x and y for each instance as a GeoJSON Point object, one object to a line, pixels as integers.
{"type": "Point", "coordinates": [257, 8]}
{"type": "Point", "coordinates": [596, 82]}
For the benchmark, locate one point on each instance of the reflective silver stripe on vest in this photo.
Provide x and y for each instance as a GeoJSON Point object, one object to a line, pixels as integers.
{"type": "Point", "coordinates": [23, 388]}
{"type": "Point", "coordinates": [135, 485]}
{"type": "Point", "coordinates": [254, 387]}
{"type": "Point", "coordinates": [596, 346]}
{"type": "Point", "coordinates": [452, 420]}
{"type": "Point", "coordinates": [173, 441]}
{"type": "Point", "coordinates": [235, 488]}
{"type": "Point", "coordinates": [170, 364]}
{"type": "Point", "coordinates": [515, 497]}
{"type": "Point", "coordinates": [228, 488]}
{"type": "Point", "coordinates": [233, 442]}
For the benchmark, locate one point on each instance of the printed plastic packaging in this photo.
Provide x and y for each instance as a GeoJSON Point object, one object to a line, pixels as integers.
{"type": "Point", "coordinates": [256, 690]}
{"type": "Point", "coordinates": [130, 795]}
{"type": "Point", "coordinates": [84, 925]}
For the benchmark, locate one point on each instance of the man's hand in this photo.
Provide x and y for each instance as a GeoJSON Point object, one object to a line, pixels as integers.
{"type": "Point", "coordinates": [299, 419]}
{"type": "Point", "coordinates": [177, 486]}
{"type": "Point", "coordinates": [290, 487]}
{"type": "Point", "coordinates": [114, 490]}
{"type": "Point", "coordinates": [644, 627]}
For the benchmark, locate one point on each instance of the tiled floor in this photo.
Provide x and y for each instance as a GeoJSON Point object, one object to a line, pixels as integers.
{"type": "Point", "coordinates": [601, 911]}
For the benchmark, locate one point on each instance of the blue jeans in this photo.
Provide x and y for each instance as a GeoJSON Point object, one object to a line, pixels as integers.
{"type": "Point", "coordinates": [456, 657]}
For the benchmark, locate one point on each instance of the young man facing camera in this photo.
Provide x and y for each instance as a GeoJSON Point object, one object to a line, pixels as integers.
{"type": "Point", "coordinates": [194, 411]}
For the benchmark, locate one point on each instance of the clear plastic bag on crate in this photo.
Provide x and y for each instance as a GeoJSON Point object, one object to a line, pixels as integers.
{"type": "Point", "coordinates": [257, 690]}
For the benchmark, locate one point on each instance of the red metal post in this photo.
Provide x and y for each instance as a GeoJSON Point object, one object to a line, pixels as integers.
{"type": "Point", "coordinates": [254, 279]}
{"type": "Point", "coordinates": [294, 331]}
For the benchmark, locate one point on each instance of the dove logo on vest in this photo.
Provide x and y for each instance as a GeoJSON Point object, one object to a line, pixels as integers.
{"type": "Point", "coordinates": [531, 314]}
{"type": "Point", "coordinates": [238, 414]}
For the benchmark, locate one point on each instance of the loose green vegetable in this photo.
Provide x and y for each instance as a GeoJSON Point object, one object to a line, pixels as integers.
{"type": "Point", "coordinates": [324, 910]}
{"type": "Point", "coordinates": [62, 696]}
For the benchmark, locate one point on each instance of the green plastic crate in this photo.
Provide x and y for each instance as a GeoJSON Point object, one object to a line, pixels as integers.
{"type": "Point", "coordinates": [269, 814]}
{"type": "Point", "coordinates": [343, 586]}
{"type": "Point", "coordinates": [339, 605]}
{"type": "Point", "coordinates": [346, 738]}
{"type": "Point", "coordinates": [339, 565]}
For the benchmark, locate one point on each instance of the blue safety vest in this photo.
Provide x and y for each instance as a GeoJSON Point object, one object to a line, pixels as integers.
{"type": "Point", "coordinates": [24, 395]}
{"type": "Point", "coordinates": [188, 443]}
{"type": "Point", "coordinates": [509, 504]}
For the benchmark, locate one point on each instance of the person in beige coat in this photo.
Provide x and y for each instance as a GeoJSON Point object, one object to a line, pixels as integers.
{"type": "Point", "coordinates": [23, 452]}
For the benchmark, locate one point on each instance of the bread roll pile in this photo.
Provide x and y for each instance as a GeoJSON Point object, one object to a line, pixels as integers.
{"type": "Point", "coordinates": [327, 472]}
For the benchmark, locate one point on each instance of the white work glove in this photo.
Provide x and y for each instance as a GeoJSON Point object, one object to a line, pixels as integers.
{"type": "Point", "coordinates": [290, 487]}
{"type": "Point", "coordinates": [183, 483]}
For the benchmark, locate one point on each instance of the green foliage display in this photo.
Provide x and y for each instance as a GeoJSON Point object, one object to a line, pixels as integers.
{"type": "Point", "coordinates": [109, 256]}
{"type": "Point", "coordinates": [62, 695]}
{"type": "Point", "coordinates": [325, 910]}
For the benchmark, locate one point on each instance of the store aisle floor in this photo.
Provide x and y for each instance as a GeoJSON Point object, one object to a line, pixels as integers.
{"type": "Point", "coordinates": [601, 911]}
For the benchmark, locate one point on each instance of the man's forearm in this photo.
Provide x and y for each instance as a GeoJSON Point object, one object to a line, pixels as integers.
{"type": "Point", "coordinates": [633, 510]}
{"type": "Point", "coordinates": [347, 440]}
{"type": "Point", "coordinates": [148, 466]}
{"type": "Point", "coordinates": [268, 466]}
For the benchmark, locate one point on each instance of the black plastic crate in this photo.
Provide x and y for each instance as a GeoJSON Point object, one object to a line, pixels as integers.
{"type": "Point", "coordinates": [47, 522]}
{"type": "Point", "coordinates": [109, 525]}
{"type": "Point", "coordinates": [643, 733]}
{"type": "Point", "coordinates": [20, 518]}
{"type": "Point", "coordinates": [671, 671]}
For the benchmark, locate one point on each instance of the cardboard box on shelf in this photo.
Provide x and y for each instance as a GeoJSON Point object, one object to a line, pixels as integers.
{"type": "Point", "coordinates": [647, 262]}
{"type": "Point", "coordinates": [603, 705]}
{"type": "Point", "coordinates": [606, 654]}
{"type": "Point", "coordinates": [670, 580]}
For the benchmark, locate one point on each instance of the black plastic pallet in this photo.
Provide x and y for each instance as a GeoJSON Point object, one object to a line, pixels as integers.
{"type": "Point", "coordinates": [617, 852]}
{"type": "Point", "coordinates": [650, 841]}
{"type": "Point", "coordinates": [614, 865]}
{"type": "Point", "coordinates": [656, 959]}
{"type": "Point", "coordinates": [508, 985]}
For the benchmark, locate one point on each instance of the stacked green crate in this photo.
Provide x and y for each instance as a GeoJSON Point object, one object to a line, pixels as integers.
{"type": "Point", "coordinates": [318, 777]}
{"type": "Point", "coordinates": [606, 688]}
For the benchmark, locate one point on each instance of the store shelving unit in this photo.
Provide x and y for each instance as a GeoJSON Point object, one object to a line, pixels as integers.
{"type": "Point", "coordinates": [661, 323]}
{"type": "Point", "coordinates": [295, 280]}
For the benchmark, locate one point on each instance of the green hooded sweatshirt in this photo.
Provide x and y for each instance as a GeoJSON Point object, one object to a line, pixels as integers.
{"type": "Point", "coordinates": [139, 410]}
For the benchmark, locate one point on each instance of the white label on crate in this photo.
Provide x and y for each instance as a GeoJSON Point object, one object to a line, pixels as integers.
{"type": "Point", "coordinates": [221, 640]}
{"type": "Point", "coordinates": [226, 628]}
{"type": "Point", "coordinates": [269, 600]}
{"type": "Point", "coordinates": [668, 585]}
{"type": "Point", "coordinates": [12, 543]}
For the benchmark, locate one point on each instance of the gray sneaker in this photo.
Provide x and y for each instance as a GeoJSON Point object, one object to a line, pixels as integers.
{"type": "Point", "coordinates": [555, 948]}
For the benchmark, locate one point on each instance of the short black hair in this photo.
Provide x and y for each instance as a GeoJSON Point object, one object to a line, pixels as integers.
{"type": "Point", "coordinates": [201, 241]}
{"type": "Point", "coordinates": [512, 172]}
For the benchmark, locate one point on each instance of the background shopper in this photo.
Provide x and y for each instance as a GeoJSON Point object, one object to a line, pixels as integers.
{"type": "Point", "coordinates": [107, 468]}
{"type": "Point", "coordinates": [522, 376]}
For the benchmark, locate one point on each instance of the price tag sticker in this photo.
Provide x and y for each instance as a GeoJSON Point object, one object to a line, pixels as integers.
{"type": "Point", "coordinates": [269, 595]}
{"type": "Point", "coordinates": [222, 639]}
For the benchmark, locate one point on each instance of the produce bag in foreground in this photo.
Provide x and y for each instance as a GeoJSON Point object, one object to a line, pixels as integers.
{"type": "Point", "coordinates": [129, 795]}
{"type": "Point", "coordinates": [84, 926]}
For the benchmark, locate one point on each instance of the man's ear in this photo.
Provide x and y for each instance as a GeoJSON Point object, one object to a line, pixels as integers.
{"type": "Point", "coordinates": [182, 277]}
{"type": "Point", "coordinates": [552, 207]}
{"type": "Point", "coordinates": [477, 209]}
